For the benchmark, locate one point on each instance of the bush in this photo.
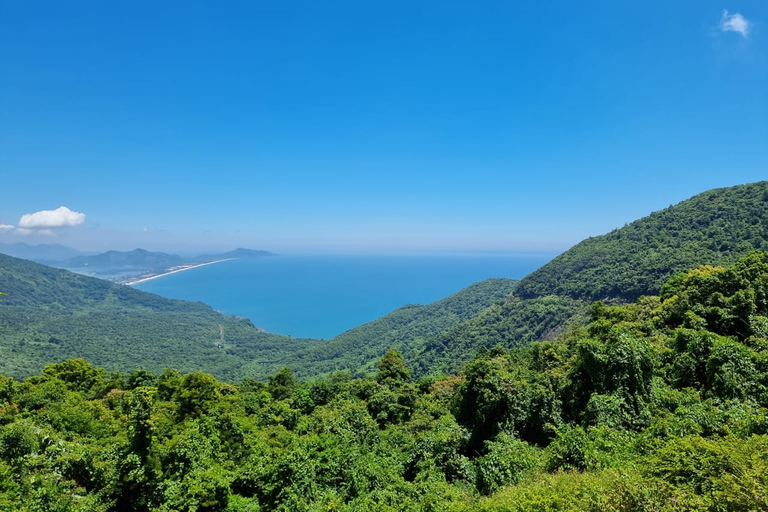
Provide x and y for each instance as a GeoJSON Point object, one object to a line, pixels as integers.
{"type": "Point", "coordinates": [16, 441]}
{"type": "Point", "coordinates": [507, 461]}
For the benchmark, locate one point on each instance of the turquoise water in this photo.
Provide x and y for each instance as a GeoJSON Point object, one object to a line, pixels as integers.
{"type": "Point", "coordinates": [322, 296]}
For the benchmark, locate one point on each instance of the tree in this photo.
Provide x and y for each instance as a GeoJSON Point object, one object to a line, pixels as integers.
{"type": "Point", "coordinates": [78, 374]}
{"type": "Point", "coordinates": [139, 410]}
{"type": "Point", "coordinates": [198, 390]}
{"type": "Point", "coordinates": [282, 385]}
{"type": "Point", "coordinates": [392, 368]}
{"type": "Point", "coordinates": [16, 441]}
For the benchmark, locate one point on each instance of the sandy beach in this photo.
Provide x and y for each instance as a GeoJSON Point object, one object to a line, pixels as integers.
{"type": "Point", "coordinates": [180, 269]}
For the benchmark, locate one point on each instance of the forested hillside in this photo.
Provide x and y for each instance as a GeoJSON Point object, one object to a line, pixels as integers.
{"type": "Point", "coordinates": [359, 349]}
{"type": "Point", "coordinates": [713, 228]}
{"type": "Point", "coordinates": [49, 315]}
{"type": "Point", "coordinates": [655, 405]}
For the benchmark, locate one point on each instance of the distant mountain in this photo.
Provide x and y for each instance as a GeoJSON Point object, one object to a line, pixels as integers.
{"type": "Point", "coordinates": [237, 253]}
{"type": "Point", "coordinates": [137, 258]}
{"type": "Point", "coordinates": [129, 266]}
{"type": "Point", "coordinates": [42, 252]}
{"type": "Point", "coordinates": [141, 258]}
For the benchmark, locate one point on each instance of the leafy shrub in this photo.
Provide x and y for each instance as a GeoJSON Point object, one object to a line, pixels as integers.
{"type": "Point", "coordinates": [506, 462]}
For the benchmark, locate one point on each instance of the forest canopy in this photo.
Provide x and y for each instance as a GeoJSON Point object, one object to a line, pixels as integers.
{"type": "Point", "coordinates": [660, 404]}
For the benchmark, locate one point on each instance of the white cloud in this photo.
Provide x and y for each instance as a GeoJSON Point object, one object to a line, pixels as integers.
{"type": "Point", "coordinates": [734, 23]}
{"type": "Point", "coordinates": [5, 227]}
{"type": "Point", "coordinates": [46, 219]}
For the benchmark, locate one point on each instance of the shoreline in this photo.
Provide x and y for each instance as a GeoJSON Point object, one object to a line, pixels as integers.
{"type": "Point", "coordinates": [190, 267]}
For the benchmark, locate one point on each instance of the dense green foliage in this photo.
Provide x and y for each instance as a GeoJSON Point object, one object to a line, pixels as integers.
{"type": "Point", "coordinates": [713, 228]}
{"type": "Point", "coordinates": [656, 405]}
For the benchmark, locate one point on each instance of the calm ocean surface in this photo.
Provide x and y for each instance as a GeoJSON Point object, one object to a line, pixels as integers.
{"type": "Point", "coordinates": [322, 296]}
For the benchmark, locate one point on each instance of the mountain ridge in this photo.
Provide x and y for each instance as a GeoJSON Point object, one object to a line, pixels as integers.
{"type": "Point", "coordinates": [240, 253]}
{"type": "Point", "coordinates": [129, 266]}
{"type": "Point", "coordinates": [725, 222]}
{"type": "Point", "coordinates": [39, 252]}
{"type": "Point", "coordinates": [617, 267]}
{"type": "Point", "coordinates": [139, 258]}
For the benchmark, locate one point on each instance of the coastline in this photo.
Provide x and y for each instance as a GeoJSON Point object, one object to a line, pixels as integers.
{"type": "Point", "coordinates": [186, 267]}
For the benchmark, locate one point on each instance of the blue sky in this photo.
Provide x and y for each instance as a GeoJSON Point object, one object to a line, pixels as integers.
{"type": "Point", "coordinates": [371, 126]}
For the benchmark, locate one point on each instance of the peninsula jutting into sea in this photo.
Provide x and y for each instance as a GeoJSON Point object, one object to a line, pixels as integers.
{"type": "Point", "coordinates": [173, 270]}
{"type": "Point", "coordinates": [125, 267]}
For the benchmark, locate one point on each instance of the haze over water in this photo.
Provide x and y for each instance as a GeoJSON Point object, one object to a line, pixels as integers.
{"type": "Point", "coordinates": [321, 296]}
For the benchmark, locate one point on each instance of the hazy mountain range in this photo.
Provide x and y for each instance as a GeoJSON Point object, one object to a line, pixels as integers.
{"type": "Point", "coordinates": [120, 266]}
{"type": "Point", "coordinates": [42, 252]}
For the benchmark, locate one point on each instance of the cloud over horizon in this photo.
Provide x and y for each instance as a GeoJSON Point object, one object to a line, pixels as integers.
{"type": "Point", "coordinates": [45, 219]}
{"type": "Point", "coordinates": [734, 23]}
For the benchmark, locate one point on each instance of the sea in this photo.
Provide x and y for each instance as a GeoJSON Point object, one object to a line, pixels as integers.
{"type": "Point", "coordinates": [321, 296]}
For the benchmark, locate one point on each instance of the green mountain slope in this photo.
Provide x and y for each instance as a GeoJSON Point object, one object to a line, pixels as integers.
{"type": "Point", "coordinates": [715, 228]}
{"type": "Point", "coordinates": [512, 323]}
{"type": "Point", "coordinates": [49, 314]}
{"type": "Point", "coordinates": [360, 348]}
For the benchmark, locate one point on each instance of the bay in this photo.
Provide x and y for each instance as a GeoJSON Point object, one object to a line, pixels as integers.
{"type": "Point", "coordinates": [321, 296]}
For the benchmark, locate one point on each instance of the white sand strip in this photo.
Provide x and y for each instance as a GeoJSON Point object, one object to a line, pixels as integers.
{"type": "Point", "coordinates": [189, 267]}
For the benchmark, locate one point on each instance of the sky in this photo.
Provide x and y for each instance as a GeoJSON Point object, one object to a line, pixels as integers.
{"type": "Point", "coordinates": [374, 126]}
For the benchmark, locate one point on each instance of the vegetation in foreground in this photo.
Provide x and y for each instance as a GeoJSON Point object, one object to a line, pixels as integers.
{"type": "Point", "coordinates": [655, 405]}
